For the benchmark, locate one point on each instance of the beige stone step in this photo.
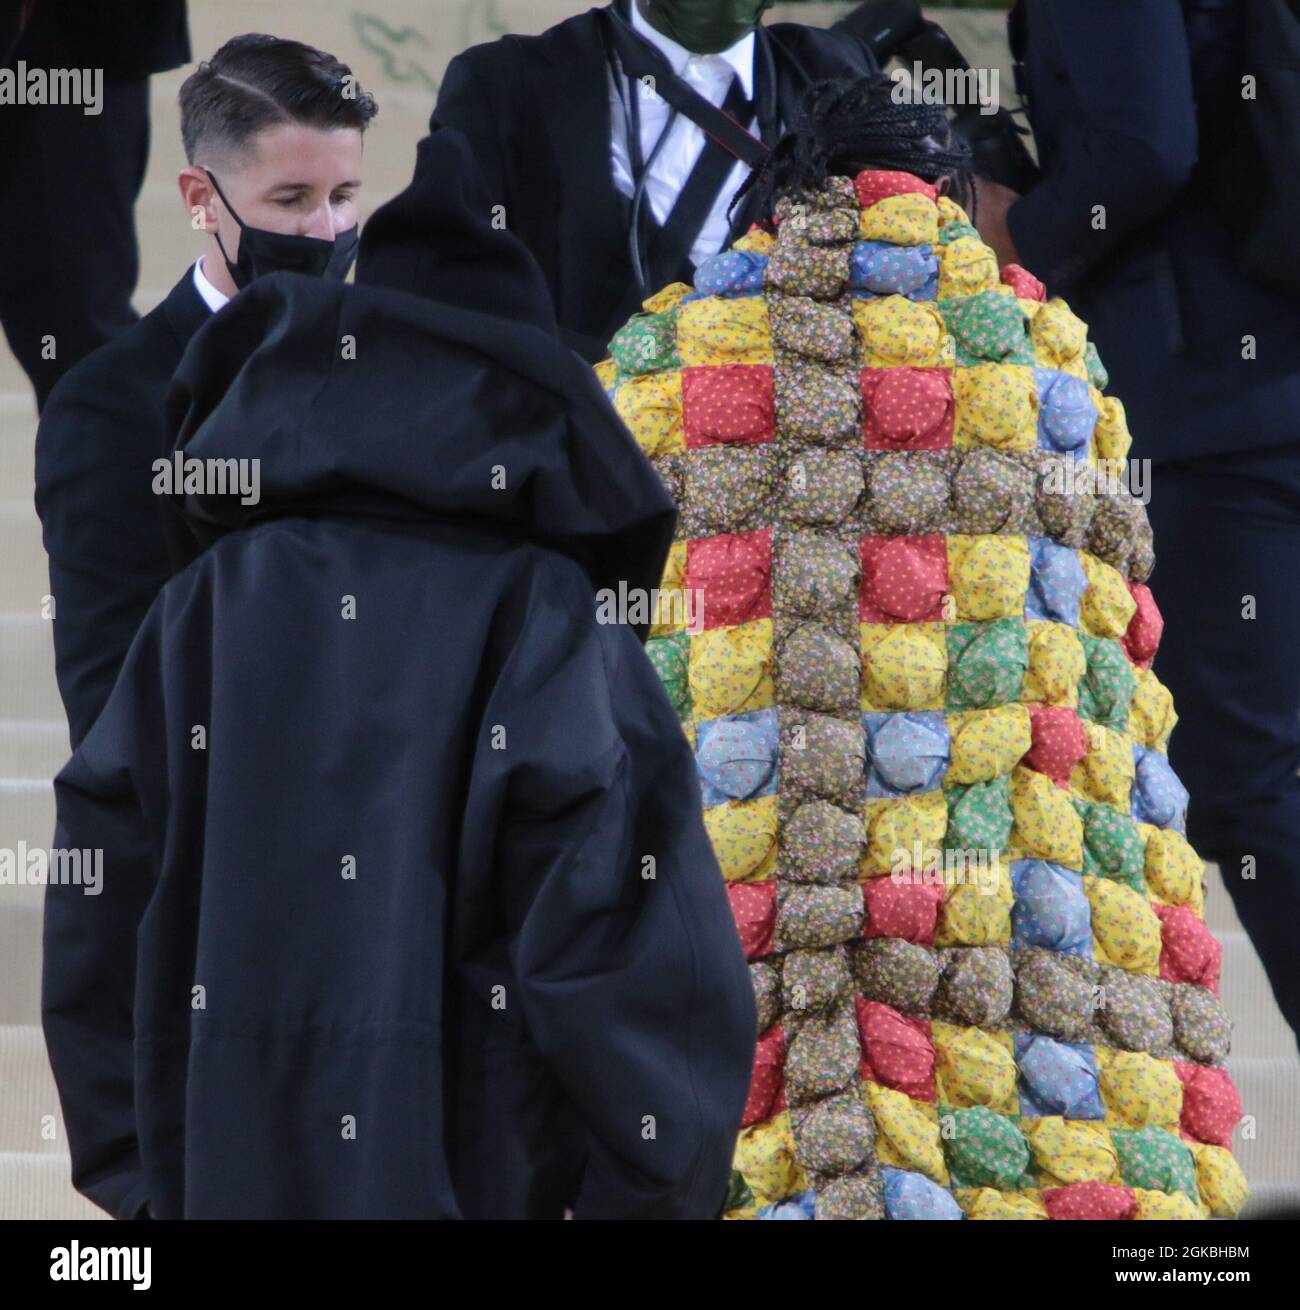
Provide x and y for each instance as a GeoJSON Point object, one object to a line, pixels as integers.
{"type": "Point", "coordinates": [28, 691]}
{"type": "Point", "coordinates": [31, 1120]}
{"type": "Point", "coordinates": [20, 962]}
{"type": "Point", "coordinates": [40, 1187]}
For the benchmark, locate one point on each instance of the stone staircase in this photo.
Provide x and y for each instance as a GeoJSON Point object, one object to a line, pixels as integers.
{"type": "Point", "coordinates": [34, 1165]}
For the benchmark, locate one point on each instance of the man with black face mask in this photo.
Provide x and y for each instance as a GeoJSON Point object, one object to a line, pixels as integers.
{"type": "Point", "coordinates": [613, 143]}
{"type": "Point", "coordinates": [273, 134]}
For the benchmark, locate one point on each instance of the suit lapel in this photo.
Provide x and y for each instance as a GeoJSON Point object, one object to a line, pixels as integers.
{"type": "Point", "coordinates": [573, 87]}
{"type": "Point", "coordinates": [184, 309]}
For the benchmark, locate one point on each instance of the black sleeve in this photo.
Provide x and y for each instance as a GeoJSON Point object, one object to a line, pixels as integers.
{"type": "Point", "coordinates": [102, 529]}
{"type": "Point", "coordinates": [630, 973]}
{"type": "Point", "coordinates": [1133, 145]}
{"type": "Point", "coordinates": [89, 963]}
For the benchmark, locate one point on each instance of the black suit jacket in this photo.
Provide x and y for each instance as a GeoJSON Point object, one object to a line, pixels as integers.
{"type": "Point", "coordinates": [536, 112]}
{"type": "Point", "coordinates": [112, 542]}
{"type": "Point", "coordinates": [126, 38]}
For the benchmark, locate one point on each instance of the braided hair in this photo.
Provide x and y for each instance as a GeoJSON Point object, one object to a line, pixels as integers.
{"type": "Point", "coordinates": [842, 127]}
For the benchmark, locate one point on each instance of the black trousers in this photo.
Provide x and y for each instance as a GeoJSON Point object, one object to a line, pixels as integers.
{"type": "Point", "coordinates": [68, 187]}
{"type": "Point", "coordinates": [1227, 579]}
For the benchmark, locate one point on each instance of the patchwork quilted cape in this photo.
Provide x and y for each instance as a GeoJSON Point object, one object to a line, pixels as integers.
{"type": "Point", "coordinates": [906, 626]}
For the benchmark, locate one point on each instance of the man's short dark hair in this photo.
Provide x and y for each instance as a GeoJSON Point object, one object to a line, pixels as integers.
{"type": "Point", "coordinates": [254, 82]}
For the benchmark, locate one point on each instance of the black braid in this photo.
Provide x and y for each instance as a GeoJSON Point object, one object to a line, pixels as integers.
{"type": "Point", "coordinates": [842, 127]}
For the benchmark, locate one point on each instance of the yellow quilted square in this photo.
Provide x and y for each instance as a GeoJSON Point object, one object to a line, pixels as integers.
{"type": "Point", "coordinates": [987, 743]}
{"type": "Point", "coordinates": [667, 297]}
{"type": "Point", "coordinates": [907, 1132]}
{"type": "Point", "coordinates": [966, 267]}
{"type": "Point", "coordinates": [743, 834]}
{"type": "Point", "coordinates": [1174, 872]}
{"type": "Point", "coordinates": [1106, 772]}
{"type": "Point", "coordinates": [1111, 438]}
{"type": "Point", "coordinates": [607, 371]}
{"type": "Point", "coordinates": [731, 669]}
{"type": "Point", "coordinates": [670, 610]}
{"type": "Point", "coordinates": [1060, 338]}
{"type": "Point", "coordinates": [1137, 1089]}
{"type": "Point", "coordinates": [1071, 1151]}
{"type": "Point", "coordinates": [974, 1067]}
{"type": "Point", "coordinates": [989, 576]}
{"type": "Point", "coordinates": [1125, 929]}
{"type": "Point", "coordinates": [911, 219]}
{"type": "Point", "coordinates": [896, 826]}
{"type": "Point", "coordinates": [976, 910]}
{"type": "Point", "coordinates": [1108, 605]}
{"type": "Point", "coordinates": [897, 331]}
{"type": "Point", "coordinates": [1166, 1205]}
{"type": "Point", "coordinates": [989, 1203]}
{"type": "Point", "coordinates": [1047, 826]}
{"type": "Point", "coordinates": [1151, 716]}
{"type": "Point", "coordinates": [1057, 663]}
{"type": "Point", "coordinates": [724, 330]}
{"type": "Point", "coordinates": [651, 406]}
{"type": "Point", "coordinates": [904, 666]}
{"type": "Point", "coordinates": [765, 1156]}
{"type": "Point", "coordinates": [1219, 1179]}
{"type": "Point", "coordinates": [950, 212]}
{"type": "Point", "coordinates": [757, 241]}
{"type": "Point", "coordinates": [995, 405]}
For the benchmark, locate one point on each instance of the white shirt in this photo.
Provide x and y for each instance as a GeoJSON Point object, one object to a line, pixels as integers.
{"type": "Point", "coordinates": [213, 298]}
{"type": "Point", "coordinates": [711, 76]}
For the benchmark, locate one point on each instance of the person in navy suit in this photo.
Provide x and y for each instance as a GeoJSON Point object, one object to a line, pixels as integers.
{"type": "Point", "coordinates": [267, 115]}
{"type": "Point", "coordinates": [1132, 104]}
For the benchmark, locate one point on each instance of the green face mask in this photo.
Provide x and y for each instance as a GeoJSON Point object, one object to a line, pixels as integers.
{"type": "Point", "coordinates": [704, 27]}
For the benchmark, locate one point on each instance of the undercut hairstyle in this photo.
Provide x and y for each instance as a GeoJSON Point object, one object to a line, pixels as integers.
{"type": "Point", "coordinates": [842, 127]}
{"type": "Point", "coordinates": [255, 82]}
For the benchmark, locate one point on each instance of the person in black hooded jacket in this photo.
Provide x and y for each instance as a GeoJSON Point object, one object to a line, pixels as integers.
{"type": "Point", "coordinates": [407, 908]}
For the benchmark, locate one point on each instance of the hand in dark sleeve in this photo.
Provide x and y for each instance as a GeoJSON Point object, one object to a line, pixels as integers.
{"type": "Point", "coordinates": [1133, 145]}
{"type": "Point", "coordinates": [632, 980]}
{"type": "Point", "coordinates": [89, 964]}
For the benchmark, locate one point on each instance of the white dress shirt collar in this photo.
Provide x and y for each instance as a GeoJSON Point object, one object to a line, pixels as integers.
{"type": "Point", "coordinates": [213, 298]}
{"type": "Point", "coordinates": [740, 56]}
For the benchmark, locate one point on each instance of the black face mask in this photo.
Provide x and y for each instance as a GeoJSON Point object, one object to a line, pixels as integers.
{"type": "Point", "coordinates": [261, 251]}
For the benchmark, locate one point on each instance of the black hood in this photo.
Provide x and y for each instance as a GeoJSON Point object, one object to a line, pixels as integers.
{"type": "Point", "coordinates": [362, 399]}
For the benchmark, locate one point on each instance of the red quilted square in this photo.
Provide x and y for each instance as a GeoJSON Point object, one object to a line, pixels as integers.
{"type": "Point", "coordinates": [1189, 952]}
{"type": "Point", "coordinates": [909, 910]}
{"type": "Point", "coordinates": [874, 184]}
{"type": "Point", "coordinates": [1060, 742]}
{"type": "Point", "coordinates": [1025, 285]}
{"type": "Point", "coordinates": [1142, 639]}
{"type": "Point", "coordinates": [753, 905]}
{"type": "Point", "coordinates": [1211, 1103]}
{"type": "Point", "coordinates": [904, 579]}
{"type": "Point", "coordinates": [727, 403]}
{"type": "Point", "coordinates": [896, 1051]}
{"type": "Point", "coordinates": [733, 574]}
{"type": "Point", "coordinates": [767, 1081]}
{"type": "Point", "coordinates": [1090, 1201]}
{"type": "Point", "coordinates": [907, 408]}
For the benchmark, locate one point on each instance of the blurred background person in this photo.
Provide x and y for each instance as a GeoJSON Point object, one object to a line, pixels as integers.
{"type": "Point", "coordinates": [1137, 106]}
{"type": "Point", "coordinates": [618, 185]}
{"type": "Point", "coordinates": [274, 150]}
{"type": "Point", "coordinates": [69, 179]}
